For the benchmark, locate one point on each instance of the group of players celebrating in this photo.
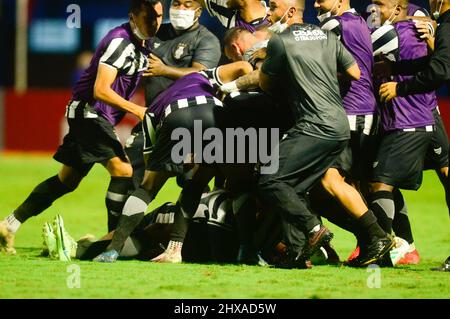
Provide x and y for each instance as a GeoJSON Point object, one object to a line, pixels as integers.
{"type": "Point", "coordinates": [355, 127]}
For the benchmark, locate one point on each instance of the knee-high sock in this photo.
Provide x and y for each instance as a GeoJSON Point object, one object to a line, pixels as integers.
{"type": "Point", "coordinates": [118, 191]}
{"type": "Point", "coordinates": [41, 198]}
{"type": "Point", "coordinates": [186, 207]}
{"type": "Point", "coordinates": [132, 214]}
{"type": "Point", "coordinates": [401, 224]}
{"type": "Point", "coordinates": [382, 205]}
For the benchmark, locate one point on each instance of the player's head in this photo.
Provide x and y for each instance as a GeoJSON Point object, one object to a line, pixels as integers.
{"type": "Point", "coordinates": [237, 41]}
{"type": "Point", "coordinates": [328, 8]}
{"type": "Point", "coordinates": [391, 10]}
{"type": "Point", "coordinates": [284, 13]}
{"type": "Point", "coordinates": [438, 7]}
{"type": "Point", "coordinates": [145, 18]}
{"type": "Point", "coordinates": [184, 14]}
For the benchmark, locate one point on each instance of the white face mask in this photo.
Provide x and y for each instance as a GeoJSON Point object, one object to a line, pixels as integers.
{"type": "Point", "coordinates": [389, 21]}
{"type": "Point", "coordinates": [137, 32]}
{"type": "Point", "coordinates": [279, 27]}
{"type": "Point", "coordinates": [259, 45]}
{"type": "Point", "coordinates": [437, 13]}
{"type": "Point", "coordinates": [322, 17]}
{"type": "Point", "coordinates": [182, 19]}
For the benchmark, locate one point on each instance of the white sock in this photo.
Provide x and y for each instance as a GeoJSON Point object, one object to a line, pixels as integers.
{"type": "Point", "coordinates": [12, 223]}
{"type": "Point", "coordinates": [412, 247]}
{"type": "Point", "coordinates": [315, 229]}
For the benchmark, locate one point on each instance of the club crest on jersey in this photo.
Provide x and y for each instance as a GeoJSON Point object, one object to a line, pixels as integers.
{"type": "Point", "coordinates": [179, 52]}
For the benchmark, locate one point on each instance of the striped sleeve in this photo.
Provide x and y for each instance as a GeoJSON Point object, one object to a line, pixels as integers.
{"type": "Point", "coordinates": [332, 25]}
{"type": "Point", "coordinates": [117, 54]}
{"type": "Point", "coordinates": [213, 77]}
{"type": "Point", "coordinates": [219, 9]}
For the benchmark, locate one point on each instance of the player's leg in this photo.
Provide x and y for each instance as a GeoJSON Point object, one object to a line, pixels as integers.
{"type": "Point", "coordinates": [133, 213]}
{"type": "Point", "coordinates": [120, 187]}
{"type": "Point", "coordinates": [41, 198]}
{"type": "Point", "coordinates": [302, 162]}
{"type": "Point", "coordinates": [186, 207]}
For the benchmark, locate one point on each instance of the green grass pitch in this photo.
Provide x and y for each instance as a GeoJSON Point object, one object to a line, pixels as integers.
{"type": "Point", "coordinates": [29, 276]}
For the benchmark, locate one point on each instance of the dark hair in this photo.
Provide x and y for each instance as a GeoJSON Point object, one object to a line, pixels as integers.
{"type": "Point", "coordinates": [137, 5]}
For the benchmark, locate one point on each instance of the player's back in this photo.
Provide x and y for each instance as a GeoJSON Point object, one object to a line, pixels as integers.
{"type": "Point", "coordinates": [311, 57]}
{"type": "Point", "coordinates": [190, 86]}
{"type": "Point", "coordinates": [358, 97]}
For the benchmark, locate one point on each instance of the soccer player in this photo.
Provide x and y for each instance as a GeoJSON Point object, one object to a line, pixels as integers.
{"type": "Point", "coordinates": [431, 71]}
{"type": "Point", "coordinates": [407, 123]}
{"type": "Point", "coordinates": [191, 98]}
{"type": "Point", "coordinates": [306, 60]}
{"type": "Point", "coordinates": [181, 47]}
{"type": "Point", "coordinates": [249, 14]}
{"type": "Point", "coordinates": [99, 102]}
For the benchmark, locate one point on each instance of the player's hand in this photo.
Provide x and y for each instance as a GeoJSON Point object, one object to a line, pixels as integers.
{"type": "Point", "coordinates": [140, 113]}
{"type": "Point", "coordinates": [156, 67]}
{"type": "Point", "coordinates": [424, 30]}
{"type": "Point", "coordinates": [382, 69]}
{"type": "Point", "coordinates": [228, 88]}
{"type": "Point", "coordinates": [388, 91]}
{"type": "Point", "coordinates": [259, 54]}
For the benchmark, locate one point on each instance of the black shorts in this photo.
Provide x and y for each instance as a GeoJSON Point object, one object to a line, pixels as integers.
{"type": "Point", "coordinates": [356, 160]}
{"type": "Point", "coordinates": [303, 160]}
{"type": "Point", "coordinates": [89, 141]}
{"type": "Point", "coordinates": [400, 158]}
{"type": "Point", "coordinates": [437, 153]}
{"type": "Point", "coordinates": [158, 136]}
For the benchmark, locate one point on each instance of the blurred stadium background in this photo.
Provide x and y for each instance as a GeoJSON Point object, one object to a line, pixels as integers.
{"type": "Point", "coordinates": [41, 58]}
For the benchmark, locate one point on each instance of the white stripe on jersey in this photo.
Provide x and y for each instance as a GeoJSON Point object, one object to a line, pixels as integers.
{"type": "Point", "coordinates": [115, 43]}
{"type": "Point", "coordinates": [330, 25]}
{"type": "Point", "coordinates": [120, 62]}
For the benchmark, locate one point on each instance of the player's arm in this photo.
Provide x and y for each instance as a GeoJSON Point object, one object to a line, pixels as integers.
{"type": "Point", "coordinates": [230, 72]}
{"type": "Point", "coordinates": [347, 65]}
{"type": "Point", "coordinates": [435, 73]}
{"type": "Point", "coordinates": [114, 60]}
{"type": "Point", "coordinates": [274, 64]}
{"type": "Point", "coordinates": [103, 92]}
{"type": "Point", "coordinates": [158, 68]}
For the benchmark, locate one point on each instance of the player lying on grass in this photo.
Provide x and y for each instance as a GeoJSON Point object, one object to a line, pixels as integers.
{"type": "Point", "coordinates": [212, 236]}
{"type": "Point", "coordinates": [99, 102]}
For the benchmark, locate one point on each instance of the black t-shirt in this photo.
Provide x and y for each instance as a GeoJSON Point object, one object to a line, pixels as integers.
{"type": "Point", "coordinates": [198, 45]}
{"type": "Point", "coordinates": [306, 60]}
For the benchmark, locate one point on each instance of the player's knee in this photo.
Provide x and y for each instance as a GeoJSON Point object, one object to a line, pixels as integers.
{"type": "Point", "coordinates": [121, 170]}
{"type": "Point", "coordinates": [332, 180]}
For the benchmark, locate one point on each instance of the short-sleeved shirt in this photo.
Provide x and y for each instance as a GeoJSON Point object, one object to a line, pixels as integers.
{"type": "Point", "coordinates": [231, 18]}
{"type": "Point", "coordinates": [358, 96]}
{"type": "Point", "coordinates": [411, 111]}
{"type": "Point", "coordinates": [198, 45]}
{"type": "Point", "coordinates": [306, 60]}
{"type": "Point", "coordinates": [120, 50]}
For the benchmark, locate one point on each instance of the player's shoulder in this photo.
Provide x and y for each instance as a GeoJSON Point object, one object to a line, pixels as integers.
{"type": "Point", "coordinates": [206, 35]}
{"type": "Point", "coordinates": [333, 24]}
{"type": "Point", "coordinates": [120, 34]}
{"type": "Point", "coordinates": [385, 39]}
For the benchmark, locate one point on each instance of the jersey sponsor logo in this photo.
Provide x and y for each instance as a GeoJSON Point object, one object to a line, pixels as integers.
{"type": "Point", "coordinates": [438, 151]}
{"type": "Point", "coordinates": [309, 35]}
{"type": "Point", "coordinates": [179, 51]}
